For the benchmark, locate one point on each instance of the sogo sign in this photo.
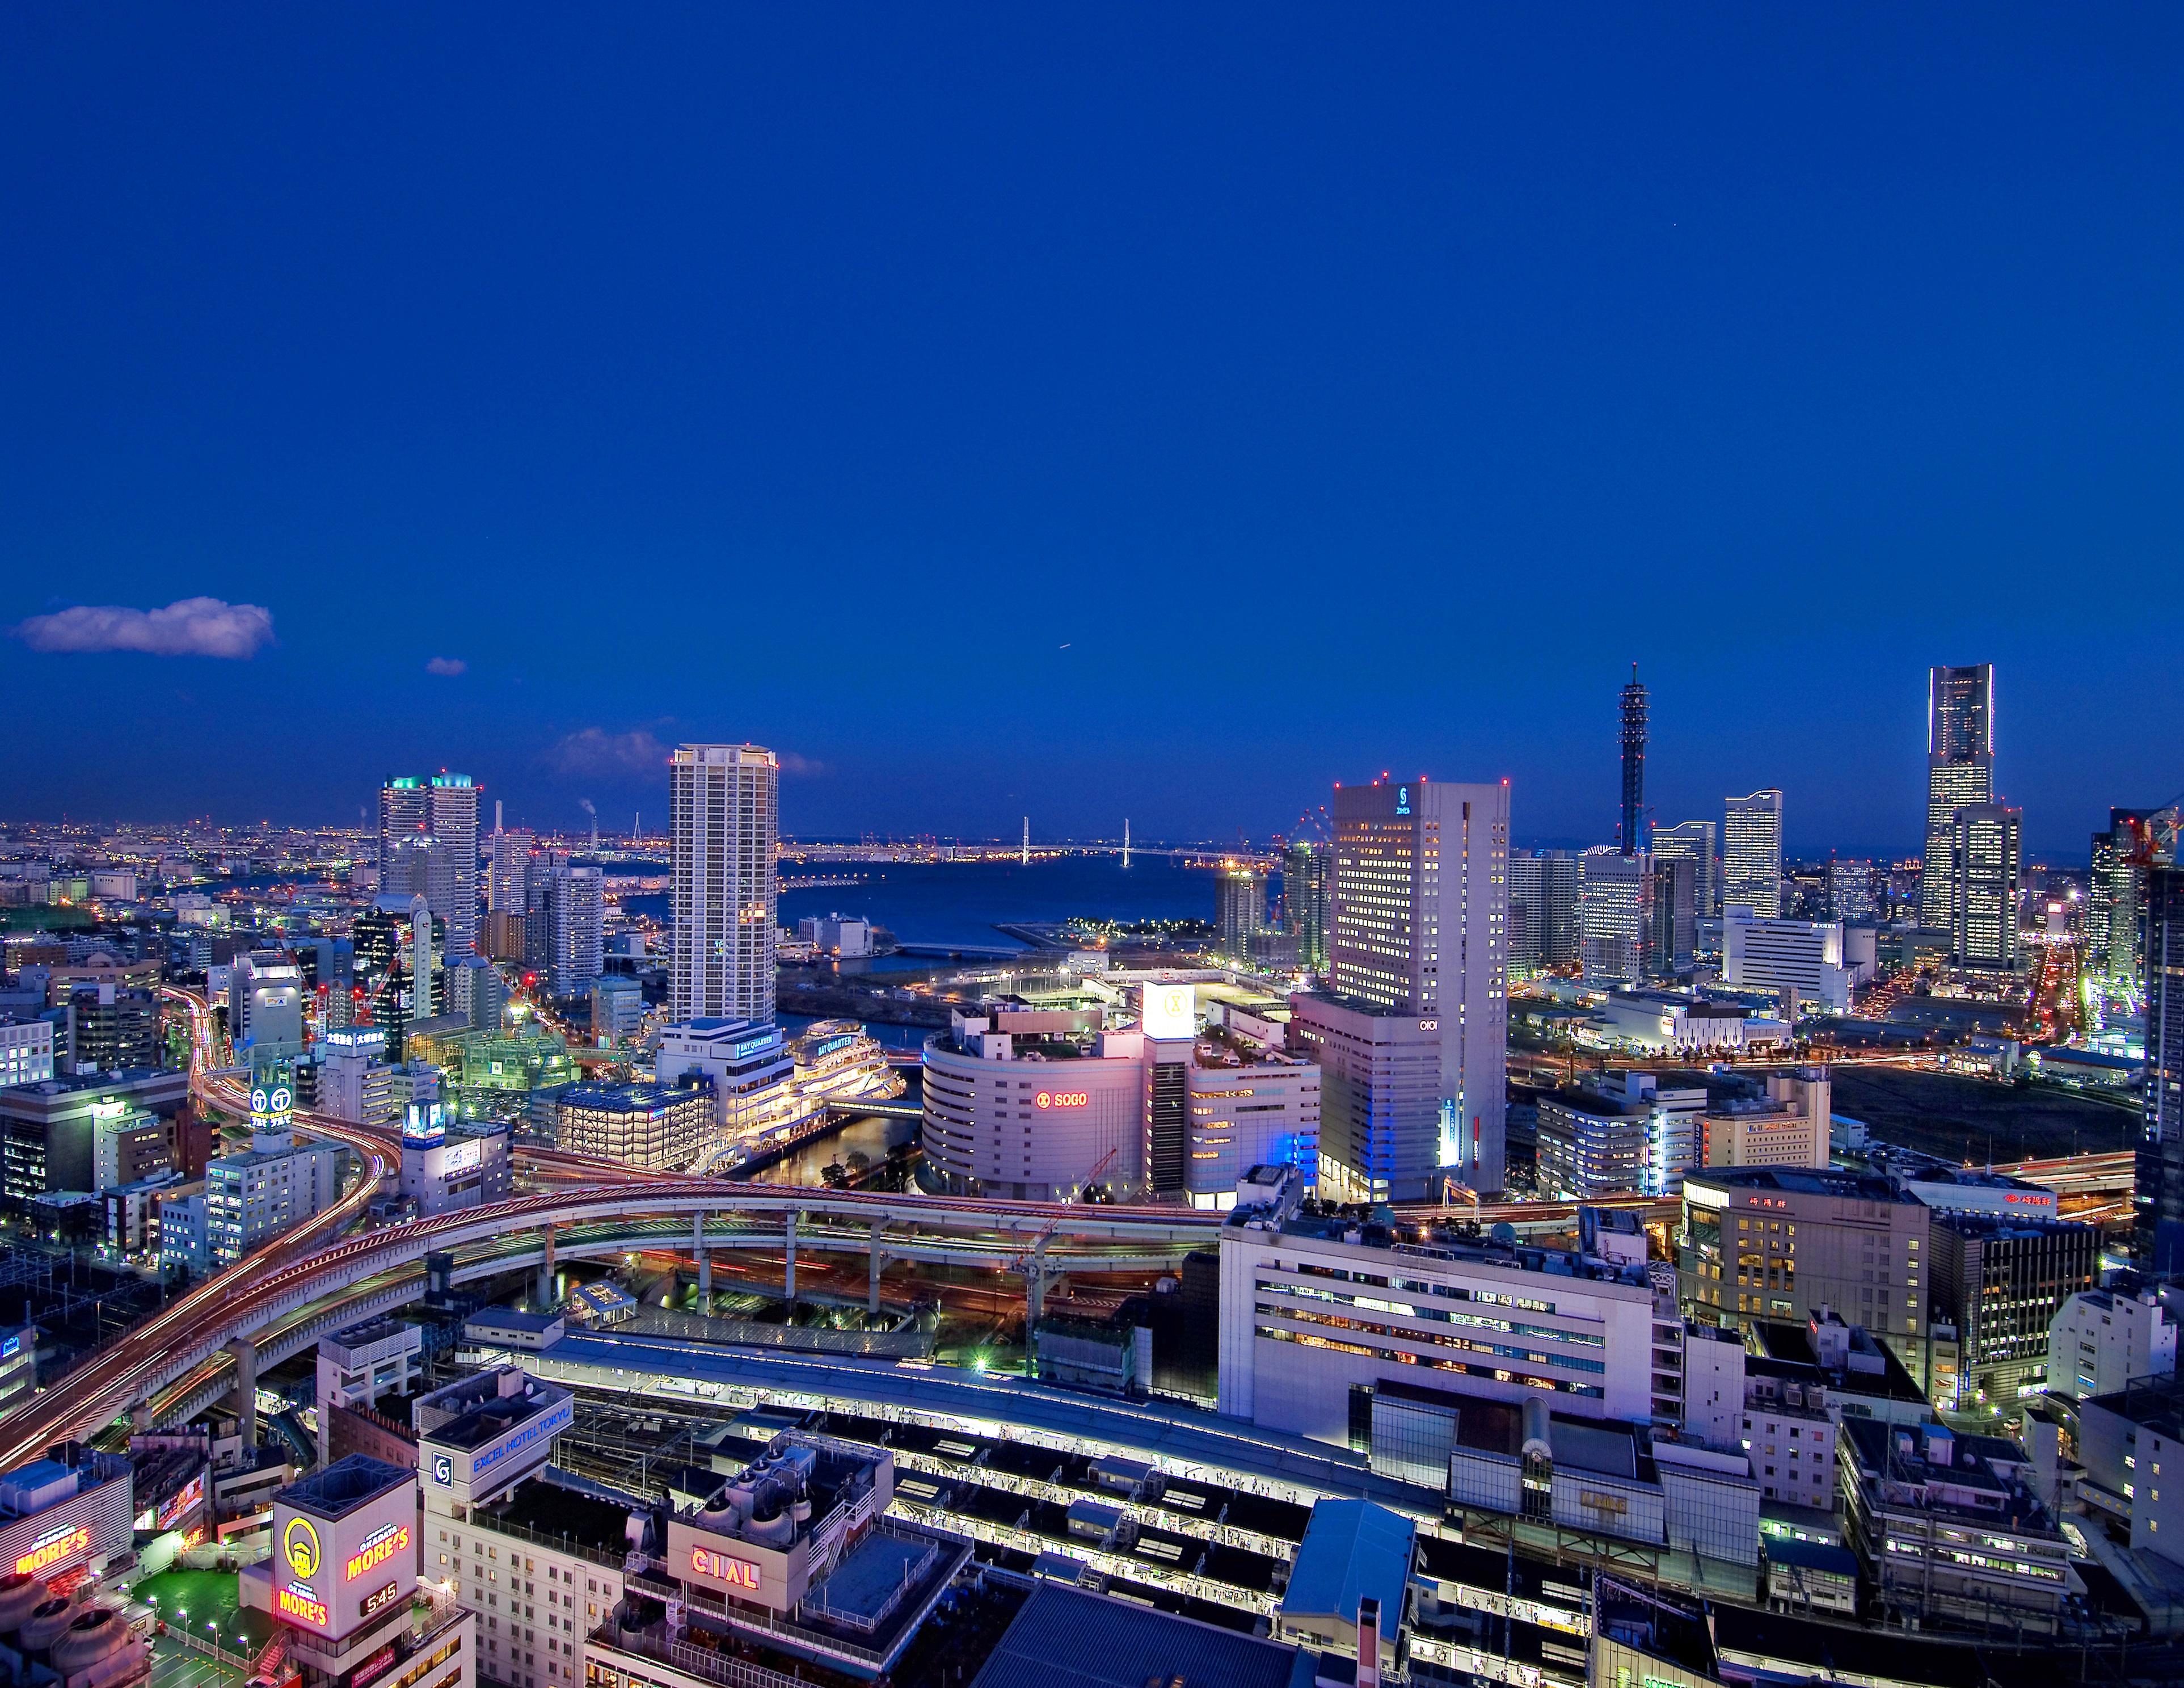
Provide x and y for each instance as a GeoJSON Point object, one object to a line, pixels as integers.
{"type": "Point", "coordinates": [1063, 1098]}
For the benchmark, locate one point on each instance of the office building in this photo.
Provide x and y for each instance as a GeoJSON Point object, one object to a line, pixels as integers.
{"type": "Point", "coordinates": [1041, 1105]}
{"type": "Point", "coordinates": [447, 1166]}
{"type": "Point", "coordinates": [1306, 892]}
{"type": "Point", "coordinates": [2115, 909]}
{"type": "Point", "coordinates": [1693, 841]}
{"type": "Point", "coordinates": [1591, 1144]}
{"type": "Point", "coordinates": [428, 846]}
{"type": "Point", "coordinates": [1380, 1105]}
{"type": "Point", "coordinates": [724, 815]}
{"type": "Point", "coordinates": [1239, 908]}
{"type": "Point", "coordinates": [1672, 937]}
{"type": "Point", "coordinates": [1527, 954]}
{"type": "Point", "coordinates": [47, 1134]}
{"type": "Point", "coordinates": [1615, 915]}
{"type": "Point", "coordinates": [1420, 927]}
{"type": "Point", "coordinates": [841, 937]}
{"type": "Point", "coordinates": [128, 1145]}
{"type": "Point", "coordinates": [617, 1009]}
{"type": "Point", "coordinates": [1784, 1243]}
{"type": "Point", "coordinates": [108, 1028]}
{"type": "Point", "coordinates": [477, 993]}
{"type": "Point", "coordinates": [576, 929]}
{"type": "Point", "coordinates": [1959, 775]}
{"type": "Point", "coordinates": [1752, 854]}
{"type": "Point", "coordinates": [508, 877]}
{"type": "Point", "coordinates": [1852, 891]}
{"type": "Point", "coordinates": [1543, 910]}
{"type": "Point", "coordinates": [2001, 1279]}
{"type": "Point", "coordinates": [2101, 1341]}
{"type": "Point", "coordinates": [1948, 1527]}
{"type": "Point", "coordinates": [747, 1062]}
{"type": "Point", "coordinates": [1304, 1354]}
{"type": "Point", "coordinates": [1632, 837]}
{"type": "Point", "coordinates": [2157, 1191]}
{"type": "Point", "coordinates": [2125, 1438]}
{"type": "Point", "coordinates": [356, 1366]}
{"type": "Point", "coordinates": [261, 1192]}
{"type": "Point", "coordinates": [355, 1082]}
{"type": "Point", "coordinates": [1800, 961]}
{"type": "Point", "coordinates": [265, 1003]}
{"type": "Point", "coordinates": [400, 949]}
{"type": "Point", "coordinates": [1787, 1126]}
{"type": "Point", "coordinates": [26, 1051]}
{"type": "Point", "coordinates": [1987, 861]}
{"type": "Point", "coordinates": [341, 1585]}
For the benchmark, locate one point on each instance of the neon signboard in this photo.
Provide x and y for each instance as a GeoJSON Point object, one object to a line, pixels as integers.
{"type": "Point", "coordinates": [706, 1562]}
{"type": "Point", "coordinates": [379, 1599]}
{"type": "Point", "coordinates": [383, 1545]}
{"type": "Point", "coordinates": [460, 1157]}
{"type": "Point", "coordinates": [299, 1545]}
{"type": "Point", "coordinates": [189, 1496]}
{"type": "Point", "coordinates": [300, 1602]}
{"type": "Point", "coordinates": [1170, 1011]}
{"type": "Point", "coordinates": [1063, 1098]}
{"type": "Point", "coordinates": [53, 1546]}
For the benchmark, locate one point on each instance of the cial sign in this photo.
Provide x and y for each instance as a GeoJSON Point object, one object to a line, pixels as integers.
{"type": "Point", "coordinates": [1063, 1098]}
{"type": "Point", "coordinates": [741, 1572]}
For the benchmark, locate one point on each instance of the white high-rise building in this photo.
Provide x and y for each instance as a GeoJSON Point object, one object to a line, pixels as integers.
{"type": "Point", "coordinates": [1987, 858]}
{"type": "Point", "coordinates": [1752, 854]}
{"type": "Point", "coordinates": [577, 904]}
{"type": "Point", "coordinates": [723, 802]}
{"type": "Point", "coordinates": [507, 884]}
{"type": "Point", "coordinates": [1800, 956]}
{"type": "Point", "coordinates": [428, 844]}
{"type": "Point", "coordinates": [1420, 927]}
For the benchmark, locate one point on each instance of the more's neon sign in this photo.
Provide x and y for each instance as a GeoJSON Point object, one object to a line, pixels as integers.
{"type": "Point", "coordinates": [384, 1544]}
{"type": "Point", "coordinates": [52, 1547]}
{"type": "Point", "coordinates": [303, 1604]}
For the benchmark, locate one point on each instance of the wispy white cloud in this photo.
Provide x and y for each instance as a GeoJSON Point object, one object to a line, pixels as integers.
{"type": "Point", "coordinates": [446, 667]}
{"type": "Point", "coordinates": [596, 751]}
{"type": "Point", "coordinates": [799, 767]}
{"type": "Point", "coordinates": [189, 626]}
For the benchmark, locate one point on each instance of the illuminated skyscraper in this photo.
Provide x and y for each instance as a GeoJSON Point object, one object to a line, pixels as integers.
{"type": "Point", "coordinates": [2115, 900]}
{"type": "Point", "coordinates": [1239, 908]}
{"type": "Point", "coordinates": [505, 885]}
{"type": "Point", "coordinates": [1615, 915]}
{"type": "Point", "coordinates": [1419, 931]}
{"type": "Point", "coordinates": [1986, 855]}
{"type": "Point", "coordinates": [1693, 841]}
{"type": "Point", "coordinates": [1303, 901]}
{"type": "Point", "coordinates": [428, 845]}
{"type": "Point", "coordinates": [1960, 772]}
{"type": "Point", "coordinates": [2158, 1190]}
{"type": "Point", "coordinates": [724, 817]}
{"type": "Point", "coordinates": [1752, 854]}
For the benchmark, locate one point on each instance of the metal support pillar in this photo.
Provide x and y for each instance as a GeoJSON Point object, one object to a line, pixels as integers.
{"type": "Point", "coordinates": [546, 1271]}
{"type": "Point", "coordinates": [879, 1255]}
{"type": "Point", "coordinates": [704, 1262]}
{"type": "Point", "coordinates": [246, 1387]}
{"type": "Point", "coordinates": [789, 1278]}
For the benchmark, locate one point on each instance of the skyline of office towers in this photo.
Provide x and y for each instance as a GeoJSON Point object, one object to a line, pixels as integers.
{"type": "Point", "coordinates": [1632, 837]}
{"type": "Point", "coordinates": [1695, 842]}
{"type": "Point", "coordinates": [1752, 853]}
{"type": "Point", "coordinates": [724, 820]}
{"type": "Point", "coordinates": [1987, 856]}
{"type": "Point", "coordinates": [1960, 772]}
{"type": "Point", "coordinates": [428, 845]}
{"type": "Point", "coordinates": [2158, 1188]}
{"type": "Point", "coordinates": [1305, 866]}
{"type": "Point", "coordinates": [1418, 930]}
{"type": "Point", "coordinates": [1239, 907]}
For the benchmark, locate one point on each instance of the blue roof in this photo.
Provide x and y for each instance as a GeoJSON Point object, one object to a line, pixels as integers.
{"type": "Point", "coordinates": [1351, 1549]}
{"type": "Point", "coordinates": [1811, 1556]}
{"type": "Point", "coordinates": [1064, 1637]}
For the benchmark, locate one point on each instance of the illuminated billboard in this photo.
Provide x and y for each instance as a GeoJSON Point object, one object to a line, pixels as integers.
{"type": "Point", "coordinates": [1170, 1011]}
{"type": "Point", "coordinates": [460, 1157]}
{"type": "Point", "coordinates": [184, 1501]}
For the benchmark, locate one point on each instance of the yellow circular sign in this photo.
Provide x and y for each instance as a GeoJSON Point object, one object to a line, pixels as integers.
{"type": "Point", "coordinates": [300, 1542]}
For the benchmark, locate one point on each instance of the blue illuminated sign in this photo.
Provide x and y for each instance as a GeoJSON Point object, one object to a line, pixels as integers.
{"type": "Point", "coordinates": [1402, 799]}
{"type": "Point", "coordinates": [443, 1468]}
{"type": "Point", "coordinates": [555, 1417]}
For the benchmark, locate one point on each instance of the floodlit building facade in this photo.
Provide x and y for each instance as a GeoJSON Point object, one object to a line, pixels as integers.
{"type": "Point", "coordinates": [1959, 775]}
{"type": "Point", "coordinates": [1752, 854]}
{"type": "Point", "coordinates": [724, 815]}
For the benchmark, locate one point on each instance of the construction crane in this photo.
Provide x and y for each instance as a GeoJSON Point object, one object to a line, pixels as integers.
{"type": "Point", "coordinates": [2153, 834]}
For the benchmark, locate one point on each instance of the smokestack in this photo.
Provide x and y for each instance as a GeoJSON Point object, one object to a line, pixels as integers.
{"type": "Point", "coordinates": [592, 810]}
{"type": "Point", "coordinates": [1369, 1642]}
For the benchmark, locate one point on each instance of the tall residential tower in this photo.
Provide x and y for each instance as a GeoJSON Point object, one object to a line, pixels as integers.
{"type": "Point", "coordinates": [725, 818]}
{"type": "Point", "coordinates": [1960, 773]}
{"type": "Point", "coordinates": [428, 847]}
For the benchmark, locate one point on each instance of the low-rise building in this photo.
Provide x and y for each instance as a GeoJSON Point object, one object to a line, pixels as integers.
{"type": "Point", "coordinates": [662, 1127]}
{"type": "Point", "coordinates": [2102, 1340]}
{"type": "Point", "coordinates": [2000, 1280]}
{"type": "Point", "coordinates": [1356, 1557]}
{"type": "Point", "coordinates": [1788, 1127]}
{"type": "Point", "coordinates": [1950, 1532]}
{"type": "Point", "coordinates": [2125, 1439]}
{"type": "Point", "coordinates": [63, 1521]}
{"type": "Point", "coordinates": [256, 1193]}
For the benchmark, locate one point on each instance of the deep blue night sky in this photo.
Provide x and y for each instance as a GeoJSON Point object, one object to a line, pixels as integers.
{"type": "Point", "coordinates": [1152, 411]}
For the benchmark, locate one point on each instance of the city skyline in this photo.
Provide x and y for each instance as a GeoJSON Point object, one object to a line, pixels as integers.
{"type": "Point", "coordinates": [450, 433]}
